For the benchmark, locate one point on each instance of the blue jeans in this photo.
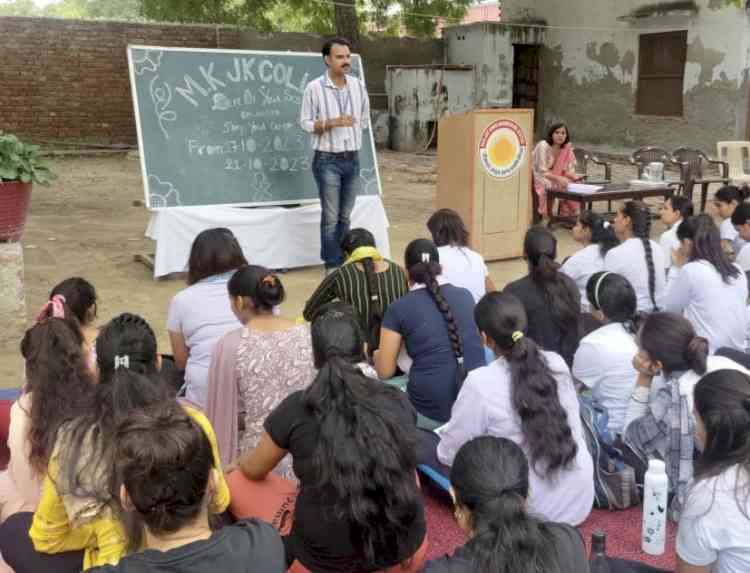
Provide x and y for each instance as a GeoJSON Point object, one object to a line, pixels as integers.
{"type": "Point", "coordinates": [337, 178]}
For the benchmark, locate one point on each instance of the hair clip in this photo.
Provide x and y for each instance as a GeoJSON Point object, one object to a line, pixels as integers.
{"type": "Point", "coordinates": [123, 361]}
{"type": "Point", "coordinates": [516, 336]}
{"type": "Point", "coordinates": [425, 257]}
{"type": "Point", "coordinates": [606, 224]}
{"type": "Point", "coordinates": [56, 304]}
{"type": "Point", "coordinates": [269, 280]}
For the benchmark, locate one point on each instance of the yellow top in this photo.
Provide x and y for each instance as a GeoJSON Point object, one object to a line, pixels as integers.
{"type": "Point", "coordinates": [102, 538]}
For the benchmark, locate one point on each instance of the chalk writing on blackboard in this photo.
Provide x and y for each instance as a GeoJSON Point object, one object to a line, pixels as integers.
{"type": "Point", "coordinates": [163, 193]}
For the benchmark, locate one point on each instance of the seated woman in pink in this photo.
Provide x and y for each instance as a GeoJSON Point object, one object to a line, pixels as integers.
{"type": "Point", "coordinates": [554, 167]}
{"type": "Point", "coordinates": [58, 382]}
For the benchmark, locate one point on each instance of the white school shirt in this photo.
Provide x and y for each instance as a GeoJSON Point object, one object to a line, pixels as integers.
{"type": "Point", "coordinates": [324, 100]}
{"type": "Point", "coordinates": [604, 363]}
{"type": "Point", "coordinates": [715, 309]}
{"type": "Point", "coordinates": [484, 408]}
{"type": "Point", "coordinates": [728, 232]}
{"type": "Point", "coordinates": [743, 258]}
{"type": "Point", "coordinates": [629, 260]}
{"type": "Point", "coordinates": [669, 242]}
{"type": "Point", "coordinates": [580, 266]}
{"type": "Point", "coordinates": [464, 268]}
{"type": "Point", "coordinates": [712, 527]}
{"type": "Point", "coordinates": [203, 314]}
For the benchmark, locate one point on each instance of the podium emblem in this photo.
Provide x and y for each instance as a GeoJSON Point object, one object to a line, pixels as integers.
{"type": "Point", "coordinates": [502, 148]}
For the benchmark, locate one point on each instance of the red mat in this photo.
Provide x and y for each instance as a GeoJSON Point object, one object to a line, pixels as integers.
{"type": "Point", "coordinates": [623, 529]}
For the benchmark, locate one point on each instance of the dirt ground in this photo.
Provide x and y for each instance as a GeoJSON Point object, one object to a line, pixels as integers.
{"type": "Point", "coordinates": [86, 225]}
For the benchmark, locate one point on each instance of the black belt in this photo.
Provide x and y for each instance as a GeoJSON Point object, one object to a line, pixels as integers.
{"type": "Point", "coordinates": [338, 155]}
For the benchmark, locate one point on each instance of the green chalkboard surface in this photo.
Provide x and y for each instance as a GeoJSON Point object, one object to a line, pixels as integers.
{"type": "Point", "coordinates": [220, 127]}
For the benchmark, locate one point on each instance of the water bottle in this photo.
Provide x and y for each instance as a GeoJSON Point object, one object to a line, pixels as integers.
{"type": "Point", "coordinates": [655, 501]}
{"type": "Point", "coordinates": [598, 562]}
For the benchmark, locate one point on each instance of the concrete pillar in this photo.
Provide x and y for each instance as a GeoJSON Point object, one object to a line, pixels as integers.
{"type": "Point", "coordinates": [12, 314]}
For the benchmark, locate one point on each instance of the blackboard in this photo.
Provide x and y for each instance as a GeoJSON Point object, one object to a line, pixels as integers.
{"type": "Point", "coordinates": [221, 127]}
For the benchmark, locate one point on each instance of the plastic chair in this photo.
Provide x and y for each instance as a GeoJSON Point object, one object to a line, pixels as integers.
{"type": "Point", "coordinates": [582, 166]}
{"type": "Point", "coordinates": [736, 154]}
{"type": "Point", "coordinates": [642, 156]}
{"type": "Point", "coordinates": [692, 163]}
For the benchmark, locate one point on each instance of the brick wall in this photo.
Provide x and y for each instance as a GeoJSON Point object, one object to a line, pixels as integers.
{"type": "Point", "coordinates": [67, 80]}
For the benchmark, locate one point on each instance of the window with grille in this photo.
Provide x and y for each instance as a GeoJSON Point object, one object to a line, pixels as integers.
{"type": "Point", "coordinates": [661, 70]}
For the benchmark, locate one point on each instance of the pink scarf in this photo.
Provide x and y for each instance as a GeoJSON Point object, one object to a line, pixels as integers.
{"type": "Point", "coordinates": [564, 160]}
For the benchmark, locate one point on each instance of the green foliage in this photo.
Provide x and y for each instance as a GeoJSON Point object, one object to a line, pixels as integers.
{"type": "Point", "coordinates": [102, 9]}
{"type": "Point", "coordinates": [18, 8]}
{"type": "Point", "coordinates": [21, 162]}
{"type": "Point", "coordinates": [253, 13]}
{"type": "Point", "coordinates": [415, 13]}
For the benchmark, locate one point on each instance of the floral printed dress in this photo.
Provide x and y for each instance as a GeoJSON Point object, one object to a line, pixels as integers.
{"type": "Point", "coordinates": [270, 366]}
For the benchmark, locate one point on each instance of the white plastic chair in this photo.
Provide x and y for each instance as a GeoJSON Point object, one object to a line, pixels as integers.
{"type": "Point", "coordinates": [737, 155]}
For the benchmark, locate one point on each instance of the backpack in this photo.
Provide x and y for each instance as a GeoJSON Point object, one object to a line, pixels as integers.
{"type": "Point", "coordinates": [614, 481]}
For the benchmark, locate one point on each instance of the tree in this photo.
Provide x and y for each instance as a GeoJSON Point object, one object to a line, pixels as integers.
{"type": "Point", "coordinates": [18, 8]}
{"type": "Point", "coordinates": [347, 22]}
{"type": "Point", "coordinates": [103, 9]}
{"type": "Point", "coordinates": [420, 17]}
{"type": "Point", "coordinates": [252, 13]}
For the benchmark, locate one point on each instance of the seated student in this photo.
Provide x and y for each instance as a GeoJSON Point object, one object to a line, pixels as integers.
{"type": "Point", "coordinates": [638, 258]}
{"type": "Point", "coordinates": [366, 281]}
{"type": "Point", "coordinates": [707, 287]}
{"type": "Point", "coordinates": [201, 314]}
{"type": "Point", "coordinates": [490, 487]}
{"type": "Point", "coordinates": [674, 210]}
{"type": "Point", "coordinates": [352, 440]}
{"type": "Point", "coordinates": [526, 395]}
{"type": "Point", "coordinates": [58, 382]}
{"type": "Point", "coordinates": [461, 266]}
{"type": "Point", "coordinates": [256, 366]}
{"type": "Point", "coordinates": [713, 533]}
{"type": "Point", "coordinates": [75, 511]}
{"type": "Point", "coordinates": [725, 201]}
{"type": "Point", "coordinates": [670, 360]}
{"type": "Point", "coordinates": [604, 359]}
{"type": "Point", "coordinates": [435, 324]}
{"type": "Point", "coordinates": [550, 298]}
{"type": "Point", "coordinates": [80, 298]}
{"type": "Point", "coordinates": [596, 237]}
{"type": "Point", "coordinates": [741, 222]}
{"type": "Point", "coordinates": [166, 480]}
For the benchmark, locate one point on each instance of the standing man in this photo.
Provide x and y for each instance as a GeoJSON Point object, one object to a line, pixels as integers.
{"type": "Point", "coordinates": [335, 110]}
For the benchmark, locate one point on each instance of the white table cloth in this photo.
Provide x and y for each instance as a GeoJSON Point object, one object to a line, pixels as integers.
{"type": "Point", "coordinates": [273, 237]}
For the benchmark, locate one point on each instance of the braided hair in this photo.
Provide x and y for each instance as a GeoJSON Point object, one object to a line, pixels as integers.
{"type": "Point", "coordinates": [423, 266]}
{"type": "Point", "coordinates": [352, 241]}
{"type": "Point", "coordinates": [640, 220]}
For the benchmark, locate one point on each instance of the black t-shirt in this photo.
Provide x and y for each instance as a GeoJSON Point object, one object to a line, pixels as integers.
{"type": "Point", "coordinates": [249, 545]}
{"type": "Point", "coordinates": [542, 327]}
{"type": "Point", "coordinates": [319, 540]}
{"type": "Point", "coordinates": [571, 554]}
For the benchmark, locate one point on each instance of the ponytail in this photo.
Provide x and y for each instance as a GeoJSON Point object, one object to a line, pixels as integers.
{"type": "Point", "coordinates": [260, 285]}
{"type": "Point", "coordinates": [671, 339]}
{"type": "Point", "coordinates": [563, 298]}
{"type": "Point", "coordinates": [534, 393]}
{"type": "Point", "coordinates": [368, 457]}
{"type": "Point", "coordinates": [374, 305]}
{"type": "Point", "coordinates": [490, 478]}
{"type": "Point", "coordinates": [640, 218]}
{"type": "Point", "coordinates": [602, 233]}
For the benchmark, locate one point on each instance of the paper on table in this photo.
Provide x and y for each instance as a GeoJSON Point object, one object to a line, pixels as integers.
{"type": "Point", "coordinates": [583, 188]}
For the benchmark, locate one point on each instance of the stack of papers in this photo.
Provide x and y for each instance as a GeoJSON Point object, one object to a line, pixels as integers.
{"type": "Point", "coordinates": [583, 188]}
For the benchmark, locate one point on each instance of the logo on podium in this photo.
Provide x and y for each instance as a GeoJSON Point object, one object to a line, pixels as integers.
{"type": "Point", "coordinates": [502, 148]}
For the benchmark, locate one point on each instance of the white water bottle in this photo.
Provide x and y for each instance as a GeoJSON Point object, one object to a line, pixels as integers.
{"type": "Point", "coordinates": [655, 498]}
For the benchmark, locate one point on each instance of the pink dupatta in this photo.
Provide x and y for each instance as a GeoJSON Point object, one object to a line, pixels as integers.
{"type": "Point", "coordinates": [560, 167]}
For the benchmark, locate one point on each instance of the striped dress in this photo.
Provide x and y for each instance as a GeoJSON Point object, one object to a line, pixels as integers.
{"type": "Point", "coordinates": [349, 284]}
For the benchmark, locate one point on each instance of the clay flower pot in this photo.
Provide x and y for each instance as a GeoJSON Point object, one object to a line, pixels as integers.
{"type": "Point", "coordinates": [15, 197]}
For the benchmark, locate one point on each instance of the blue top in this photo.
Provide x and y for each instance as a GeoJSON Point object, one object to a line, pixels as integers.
{"type": "Point", "coordinates": [432, 378]}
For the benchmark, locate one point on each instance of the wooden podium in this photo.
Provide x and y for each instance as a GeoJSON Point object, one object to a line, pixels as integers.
{"type": "Point", "coordinates": [484, 174]}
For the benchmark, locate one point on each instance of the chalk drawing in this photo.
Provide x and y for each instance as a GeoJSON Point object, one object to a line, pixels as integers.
{"type": "Point", "coordinates": [369, 180]}
{"type": "Point", "coordinates": [161, 96]}
{"type": "Point", "coordinates": [146, 61]}
{"type": "Point", "coordinates": [162, 193]}
{"type": "Point", "coordinates": [260, 187]}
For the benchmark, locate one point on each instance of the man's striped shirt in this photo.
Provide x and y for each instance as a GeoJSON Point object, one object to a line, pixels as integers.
{"type": "Point", "coordinates": [322, 100]}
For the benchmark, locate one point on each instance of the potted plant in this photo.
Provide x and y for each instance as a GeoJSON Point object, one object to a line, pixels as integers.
{"type": "Point", "coordinates": [20, 167]}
